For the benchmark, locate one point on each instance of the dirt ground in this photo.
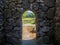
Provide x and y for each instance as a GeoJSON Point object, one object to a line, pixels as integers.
{"type": "Point", "coordinates": [26, 32]}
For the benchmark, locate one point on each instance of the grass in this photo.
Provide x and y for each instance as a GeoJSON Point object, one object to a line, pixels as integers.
{"type": "Point", "coordinates": [28, 20]}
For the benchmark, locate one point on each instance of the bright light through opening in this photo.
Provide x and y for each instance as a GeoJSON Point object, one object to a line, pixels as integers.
{"type": "Point", "coordinates": [29, 27]}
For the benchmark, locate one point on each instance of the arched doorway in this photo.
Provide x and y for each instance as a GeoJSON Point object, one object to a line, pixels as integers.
{"type": "Point", "coordinates": [28, 28]}
{"type": "Point", "coordinates": [44, 10]}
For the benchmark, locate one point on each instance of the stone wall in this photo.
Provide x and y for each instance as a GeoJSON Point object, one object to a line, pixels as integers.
{"type": "Point", "coordinates": [2, 33]}
{"type": "Point", "coordinates": [57, 21]}
{"type": "Point", "coordinates": [45, 29]}
{"type": "Point", "coordinates": [12, 22]}
{"type": "Point", "coordinates": [12, 31]}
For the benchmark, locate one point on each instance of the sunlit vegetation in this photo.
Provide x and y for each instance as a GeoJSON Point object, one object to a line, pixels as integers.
{"type": "Point", "coordinates": [29, 27]}
{"type": "Point", "coordinates": [28, 17]}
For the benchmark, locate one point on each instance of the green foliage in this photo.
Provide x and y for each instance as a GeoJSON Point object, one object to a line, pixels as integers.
{"type": "Point", "coordinates": [28, 17]}
{"type": "Point", "coordinates": [28, 21]}
{"type": "Point", "coordinates": [27, 14]}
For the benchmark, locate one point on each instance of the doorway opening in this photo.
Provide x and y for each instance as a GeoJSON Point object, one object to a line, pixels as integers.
{"type": "Point", "coordinates": [28, 28]}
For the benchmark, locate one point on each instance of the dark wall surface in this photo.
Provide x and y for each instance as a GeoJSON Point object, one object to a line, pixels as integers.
{"type": "Point", "coordinates": [57, 21]}
{"type": "Point", "coordinates": [11, 23]}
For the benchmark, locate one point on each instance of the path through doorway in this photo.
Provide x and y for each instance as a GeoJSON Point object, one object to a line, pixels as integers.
{"type": "Point", "coordinates": [28, 28]}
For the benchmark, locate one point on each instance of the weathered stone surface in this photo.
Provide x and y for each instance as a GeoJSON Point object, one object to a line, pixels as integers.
{"type": "Point", "coordinates": [50, 3]}
{"type": "Point", "coordinates": [57, 27]}
{"type": "Point", "coordinates": [45, 12]}
{"type": "Point", "coordinates": [1, 22]}
{"type": "Point", "coordinates": [13, 22]}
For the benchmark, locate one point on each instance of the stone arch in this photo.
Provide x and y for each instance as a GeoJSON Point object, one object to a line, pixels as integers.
{"type": "Point", "coordinates": [31, 25]}
{"type": "Point", "coordinates": [45, 12]}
